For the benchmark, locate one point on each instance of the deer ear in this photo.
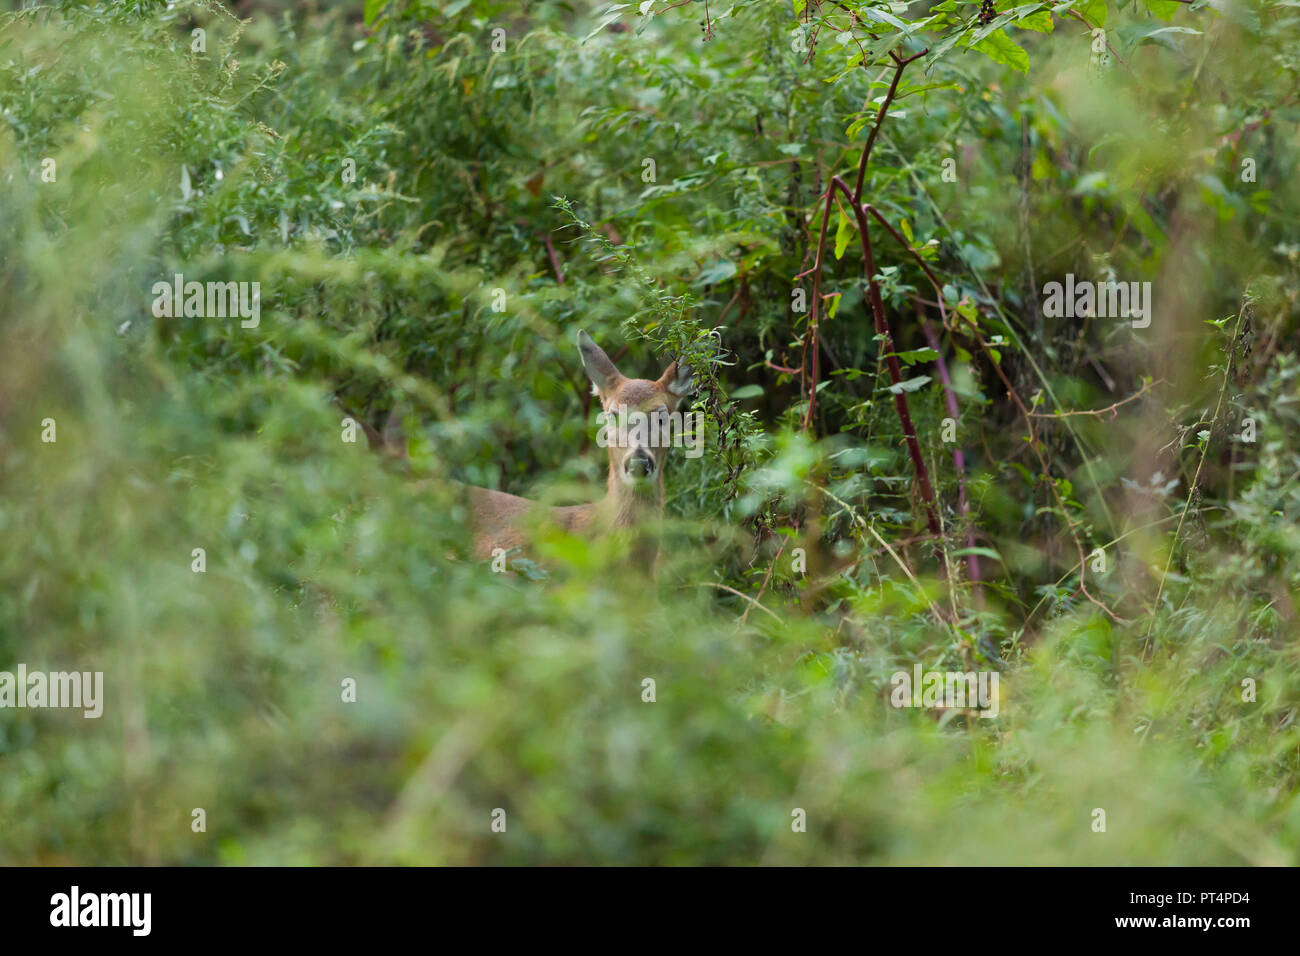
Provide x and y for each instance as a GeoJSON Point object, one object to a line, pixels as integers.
{"type": "Point", "coordinates": [596, 364]}
{"type": "Point", "coordinates": [678, 379]}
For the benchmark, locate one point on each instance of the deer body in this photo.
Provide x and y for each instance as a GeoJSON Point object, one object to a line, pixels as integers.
{"type": "Point", "coordinates": [499, 519]}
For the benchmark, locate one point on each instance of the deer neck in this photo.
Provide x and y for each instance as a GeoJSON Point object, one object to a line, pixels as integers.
{"type": "Point", "coordinates": [626, 506]}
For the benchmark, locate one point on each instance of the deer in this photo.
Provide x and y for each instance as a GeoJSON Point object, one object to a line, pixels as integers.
{"type": "Point", "coordinates": [634, 486]}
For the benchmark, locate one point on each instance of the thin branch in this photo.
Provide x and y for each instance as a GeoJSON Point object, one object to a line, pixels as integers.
{"type": "Point", "coordinates": [1099, 412]}
{"type": "Point", "coordinates": [899, 66]}
{"type": "Point", "coordinates": [782, 368]}
{"type": "Point", "coordinates": [763, 587]}
{"type": "Point", "coordinates": [739, 594]}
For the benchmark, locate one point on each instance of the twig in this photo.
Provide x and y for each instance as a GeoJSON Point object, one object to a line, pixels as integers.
{"type": "Point", "coordinates": [899, 66]}
{"type": "Point", "coordinates": [768, 577]}
{"type": "Point", "coordinates": [739, 594]}
{"type": "Point", "coordinates": [782, 368]}
{"type": "Point", "coordinates": [1132, 531]}
{"type": "Point", "coordinates": [1099, 412]}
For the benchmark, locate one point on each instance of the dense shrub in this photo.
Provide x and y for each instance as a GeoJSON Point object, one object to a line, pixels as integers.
{"type": "Point", "coordinates": [512, 168]}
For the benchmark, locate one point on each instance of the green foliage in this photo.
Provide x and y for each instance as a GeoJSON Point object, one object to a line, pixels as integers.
{"type": "Point", "coordinates": [514, 167]}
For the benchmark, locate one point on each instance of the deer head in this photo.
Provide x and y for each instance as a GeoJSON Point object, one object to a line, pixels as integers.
{"type": "Point", "coordinates": [640, 424]}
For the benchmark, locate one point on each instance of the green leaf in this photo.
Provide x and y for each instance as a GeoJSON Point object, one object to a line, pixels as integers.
{"type": "Point", "coordinates": [646, 11]}
{"type": "Point", "coordinates": [720, 271]}
{"type": "Point", "coordinates": [882, 16]}
{"type": "Point", "coordinates": [843, 233]}
{"type": "Point", "coordinates": [613, 13]}
{"type": "Point", "coordinates": [910, 385]}
{"type": "Point", "coordinates": [1040, 21]}
{"type": "Point", "coordinates": [1094, 11]}
{"type": "Point", "coordinates": [943, 46]}
{"type": "Point", "coordinates": [911, 356]}
{"type": "Point", "coordinates": [1240, 13]}
{"type": "Point", "coordinates": [1164, 9]}
{"type": "Point", "coordinates": [1163, 35]}
{"type": "Point", "coordinates": [979, 552]}
{"type": "Point", "coordinates": [857, 125]}
{"type": "Point", "coordinates": [1000, 48]}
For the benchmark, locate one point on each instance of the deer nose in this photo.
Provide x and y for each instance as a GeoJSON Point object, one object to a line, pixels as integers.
{"type": "Point", "coordinates": [639, 464]}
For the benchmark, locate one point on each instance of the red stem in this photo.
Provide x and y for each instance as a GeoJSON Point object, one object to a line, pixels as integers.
{"type": "Point", "coordinates": [891, 361]}
{"type": "Point", "coordinates": [877, 305]}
